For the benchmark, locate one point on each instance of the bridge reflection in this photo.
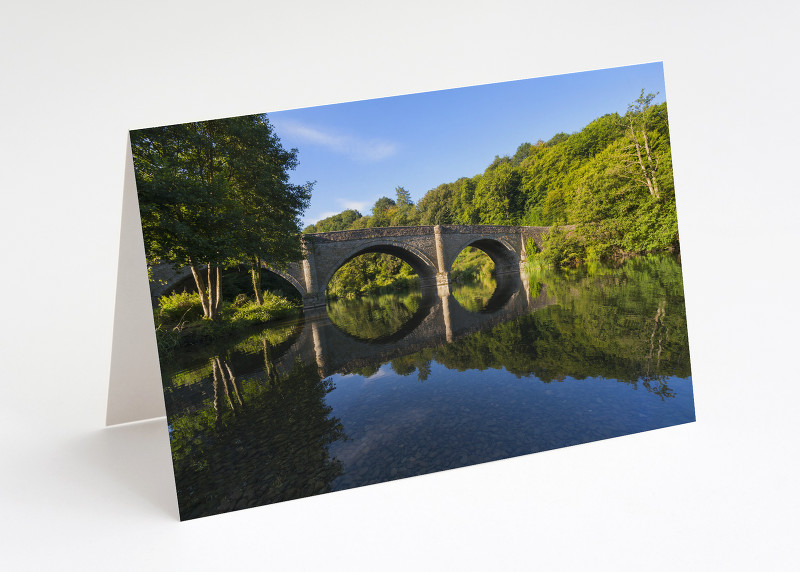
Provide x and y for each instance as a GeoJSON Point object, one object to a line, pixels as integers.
{"type": "Point", "coordinates": [437, 320]}
{"type": "Point", "coordinates": [317, 340]}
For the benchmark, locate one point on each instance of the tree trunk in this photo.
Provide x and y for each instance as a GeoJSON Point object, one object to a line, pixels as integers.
{"type": "Point", "coordinates": [214, 292]}
{"type": "Point", "coordinates": [653, 166]}
{"type": "Point", "coordinates": [233, 382]}
{"type": "Point", "coordinates": [256, 275]}
{"type": "Point", "coordinates": [218, 300]}
{"type": "Point", "coordinates": [211, 305]}
{"type": "Point", "coordinates": [218, 367]}
{"type": "Point", "coordinates": [656, 328]}
{"type": "Point", "coordinates": [269, 365]}
{"type": "Point", "coordinates": [215, 382]}
{"type": "Point", "coordinates": [201, 288]}
{"type": "Point", "coordinates": [639, 157]}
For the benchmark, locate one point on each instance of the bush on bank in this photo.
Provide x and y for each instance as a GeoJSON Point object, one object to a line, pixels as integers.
{"type": "Point", "coordinates": [179, 318]}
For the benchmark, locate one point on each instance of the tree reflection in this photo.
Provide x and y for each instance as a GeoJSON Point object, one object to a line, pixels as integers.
{"type": "Point", "coordinates": [223, 378]}
{"type": "Point", "coordinates": [259, 443]}
{"type": "Point", "coordinates": [626, 323]}
{"type": "Point", "coordinates": [249, 426]}
{"type": "Point", "coordinates": [375, 317]}
{"type": "Point", "coordinates": [474, 295]}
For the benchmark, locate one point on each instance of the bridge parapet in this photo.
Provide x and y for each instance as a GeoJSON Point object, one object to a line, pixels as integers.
{"type": "Point", "coordinates": [368, 233]}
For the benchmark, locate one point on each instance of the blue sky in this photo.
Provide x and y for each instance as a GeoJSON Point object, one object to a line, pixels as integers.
{"type": "Point", "coordinates": [359, 151]}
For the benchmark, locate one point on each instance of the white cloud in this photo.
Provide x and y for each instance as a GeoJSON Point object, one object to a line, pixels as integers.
{"type": "Point", "coordinates": [384, 371]}
{"type": "Point", "coordinates": [355, 205]}
{"type": "Point", "coordinates": [359, 149]}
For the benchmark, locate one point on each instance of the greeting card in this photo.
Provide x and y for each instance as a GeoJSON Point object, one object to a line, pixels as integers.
{"type": "Point", "coordinates": [355, 293]}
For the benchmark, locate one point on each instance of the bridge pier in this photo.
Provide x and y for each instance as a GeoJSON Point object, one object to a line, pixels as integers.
{"type": "Point", "coordinates": [443, 284]}
{"type": "Point", "coordinates": [442, 275]}
{"type": "Point", "coordinates": [314, 302]}
{"type": "Point", "coordinates": [318, 350]}
{"type": "Point", "coordinates": [448, 325]}
{"type": "Point", "coordinates": [526, 285]}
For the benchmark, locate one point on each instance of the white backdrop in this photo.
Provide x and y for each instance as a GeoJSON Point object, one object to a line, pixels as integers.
{"type": "Point", "coordinates": [717, 494]}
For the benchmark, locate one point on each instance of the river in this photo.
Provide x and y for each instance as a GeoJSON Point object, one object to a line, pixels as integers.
{"type": "Point", "coordinates": [400, 385]}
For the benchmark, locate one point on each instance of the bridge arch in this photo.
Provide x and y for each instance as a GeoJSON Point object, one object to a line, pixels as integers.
{"type": "Point", "coordinates": [297, 284]}
{"type": "Point", "coordinates": [418, 260]}
{"type": "Point", "coordinates": [505, 257]}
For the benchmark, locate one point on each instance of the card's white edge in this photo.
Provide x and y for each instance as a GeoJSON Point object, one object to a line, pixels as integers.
{"type": "Point", "coordinates": [134, 388]}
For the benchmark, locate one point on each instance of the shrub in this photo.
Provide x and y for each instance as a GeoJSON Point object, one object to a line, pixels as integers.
{"type": "Point", "coordinates": [249, 312]}
{"type": "Point", "coordinates": [562, 249]}
{"type": "Point", "coordinates": [179, 307]}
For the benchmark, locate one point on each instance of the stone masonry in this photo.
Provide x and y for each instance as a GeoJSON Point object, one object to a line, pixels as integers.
{"type": "Point", "coordinates": [429, 250]}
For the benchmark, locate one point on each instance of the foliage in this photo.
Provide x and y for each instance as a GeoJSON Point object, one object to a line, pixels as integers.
{"type": "Point", "coordinates": [626, 323]}
{"type": "Point", "coordinates": [436, 207]}
{"type": "Point", "coordinates": [179, 319]}
{"type": "Point", "coordinates": [374, 318]}
{"type": "Point", "coordinates": [472, 264]}
{"type": "Point", "coordinates": [613, 179]}
{"type": "Point", "coordinates": [497, 197]}
{"type": "Point", "coordinates": [250, 312]}
{"type": "Point", "coordinates": [382, 205]}
{"type": "Point", "coordinates": [371, 274]}
{"type": "Point", "coordinates": [403, 197]}
{"type": "Point", "coordinates": [341, 221]}
{"type": "Point", "coordinates": [562, 249]}
{"type": "Point", "coordinates": [179, 306]}
{"type": "Point", "coordinates": [474, 295]}
{"type": "Point", "coordinates": [287, 425]}
{"type": "Point", "coordinates": [217, 193]}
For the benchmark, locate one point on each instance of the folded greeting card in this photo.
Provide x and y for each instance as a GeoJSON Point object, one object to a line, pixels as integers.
{"type": "Point", "coordinates": [350, 294]}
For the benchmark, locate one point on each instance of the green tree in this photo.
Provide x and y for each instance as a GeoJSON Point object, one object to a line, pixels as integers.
{"type": "Point", "coordinates": [643, 163]}
{"type": "Point", "coordinates": [382, 205]}
{"type": "Point", "coordinates": [404, 213]}
{"type": "Point", "coordinates": [403, 197]}
{"type": "Point", "coordinates": [215, 194]}
{"type": "Point", "coordinates": [497, 197]}
{"type": "Point", "coordinates": [341, 221]}
{"type": "Point", "coordinates": [437, 206]}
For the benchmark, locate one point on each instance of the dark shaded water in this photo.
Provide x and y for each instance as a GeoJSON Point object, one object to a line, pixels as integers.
{"type": "Point", "coordinates": [402, 385]}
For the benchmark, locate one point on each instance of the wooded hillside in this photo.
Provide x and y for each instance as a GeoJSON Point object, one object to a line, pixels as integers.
{"type": "Point", "coordinates": [613, 179]}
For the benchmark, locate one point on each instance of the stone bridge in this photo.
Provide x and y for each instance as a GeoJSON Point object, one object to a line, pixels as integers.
{"type": "Point", "coordinates": [429, 250]}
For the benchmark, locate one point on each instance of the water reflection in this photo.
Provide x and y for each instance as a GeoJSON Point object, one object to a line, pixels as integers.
{"type": "Point", "coordinates": [268, 444]}
{"type": "Point", "coordinates": [401, 385]}
{"type": "Point", "coordinates": [379, 318]}
{"type": "Point", "coordinates": [474, 296]}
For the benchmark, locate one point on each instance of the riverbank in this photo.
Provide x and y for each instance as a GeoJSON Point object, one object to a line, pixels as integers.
{"type": "Point", "coordinates": [179, 319]}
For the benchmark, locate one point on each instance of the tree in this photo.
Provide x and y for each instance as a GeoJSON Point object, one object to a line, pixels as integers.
{"type": "Point", "coordinates": [382, 205]}
{"type": "Point", "coordinates": [341, 221]}
{"type": "Point", "coordinates": [497, 197]}
{"type": "Point", "coordinates": [403, 197]}
{"type": "Point", "coordinates": [215, 194]}
{"type": "Point", "coordinates": [436, 207]}
{"type": "Point", "coordinates": [644, 163]}
{"type": "Point", "coordinates": [405, 212]}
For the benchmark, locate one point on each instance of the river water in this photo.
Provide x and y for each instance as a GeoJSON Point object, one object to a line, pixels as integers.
{"type": "Point", "coordinates": [400, 385]}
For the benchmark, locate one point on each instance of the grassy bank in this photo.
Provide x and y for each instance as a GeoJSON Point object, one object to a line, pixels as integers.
{"type": "Point", "coordinates": [179, 318]}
